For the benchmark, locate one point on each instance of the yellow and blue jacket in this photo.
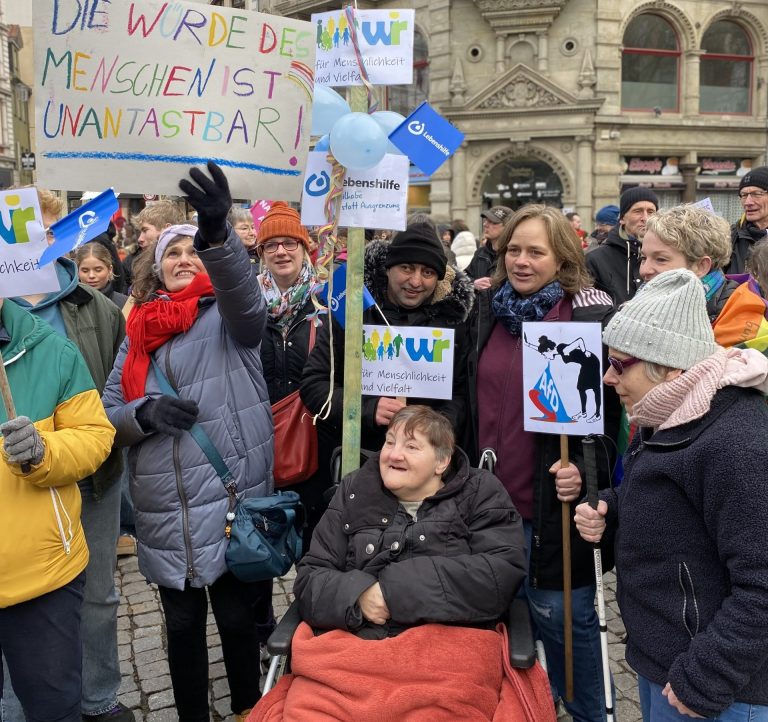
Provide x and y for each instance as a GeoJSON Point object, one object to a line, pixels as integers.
{"type": "Point", "coordinates": [42, 545]}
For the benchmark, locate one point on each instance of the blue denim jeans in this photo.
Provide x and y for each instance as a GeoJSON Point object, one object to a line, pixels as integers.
{"type": "Point", "coordinates": [127, 514]}
{"type": "Point", "coordinates": [656, 708]}
{"type": "Point", "coordinates": [40, 641]}
{"type": "Point", "coordinates": [546, 606]}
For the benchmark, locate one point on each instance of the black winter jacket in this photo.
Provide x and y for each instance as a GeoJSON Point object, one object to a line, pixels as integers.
{"type": "Point", "coordinates": [483, 263]}
{"type": "Point", "coordinates": [744, 235]}
{"type": "Point", "coordinates": [460, 562]}
{"type": "Point", "coordinates": [546, 567]}
{"type": "Point", "coordinates": [691, 559]}
{"type": "Point", "coordinates": [615, 266]}
{"type": "Point", "coordinates": [449, 307]}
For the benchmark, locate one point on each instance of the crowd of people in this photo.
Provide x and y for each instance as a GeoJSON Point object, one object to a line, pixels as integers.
{"type": "Point", "coordinates": [209, 322]}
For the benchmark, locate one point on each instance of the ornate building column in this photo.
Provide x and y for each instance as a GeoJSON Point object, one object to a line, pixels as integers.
{"type": "Point", "coordinates": [690, 80]}
{"type": "Point", "coordinates": [459, 182]}
{"type": "Point", "coordinates": [584, 176]}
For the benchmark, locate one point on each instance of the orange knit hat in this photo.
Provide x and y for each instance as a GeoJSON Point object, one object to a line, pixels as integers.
{"type": "Point", "coordinates": [282, 221]}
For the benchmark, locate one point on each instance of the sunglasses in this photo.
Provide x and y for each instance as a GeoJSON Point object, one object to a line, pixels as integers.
{"type": "Point", "coordinates": [620, 364]}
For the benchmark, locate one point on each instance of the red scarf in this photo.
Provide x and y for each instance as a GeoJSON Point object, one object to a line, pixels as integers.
{"type": "Point", "coordinates": [151, 324]}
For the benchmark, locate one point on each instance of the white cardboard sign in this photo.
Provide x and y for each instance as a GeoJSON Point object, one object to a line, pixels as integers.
{"type": "Point", "coordinates": [413, 362]}
{"type": "Point", "coordinates": [385, 38]}
{"type": "Point", "coordinates": [563, 378]}
{"type": "Point", "coordinates": [132, 93]}
{"type": "Point", "coordinates": [372, 198]}
{"type": "Point", "coordinates": [22, 242]}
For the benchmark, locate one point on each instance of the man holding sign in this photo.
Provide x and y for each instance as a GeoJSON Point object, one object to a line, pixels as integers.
{"type": "Point", "coordinates": [414, 287]}
{"type": "Point", "coordinates": [60, 436]}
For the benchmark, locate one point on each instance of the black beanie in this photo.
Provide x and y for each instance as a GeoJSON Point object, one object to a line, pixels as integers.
{"type": "Point", "coordinates": [758, 177]}
{"type": "Point", "coordinates": [418, 243]}
{"type": "Point", "coordinates": [634, 195]}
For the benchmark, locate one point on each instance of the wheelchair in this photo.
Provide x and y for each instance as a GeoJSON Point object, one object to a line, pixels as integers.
{"type": "Point", "coordinates": [523, 652]}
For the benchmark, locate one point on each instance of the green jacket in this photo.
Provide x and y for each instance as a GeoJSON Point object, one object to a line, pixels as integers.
{"type": "Point", "coordinates": [97, 327]}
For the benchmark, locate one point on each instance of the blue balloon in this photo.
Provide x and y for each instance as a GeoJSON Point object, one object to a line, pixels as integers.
{"type": "Point", "coordinates": [323, 143]}
{"type": "Point", "coordinates": [389, 120]}
{"type": "Point", "coordinates": [327, 107]}
{"type": "Point", "coordinates": [357, 141]}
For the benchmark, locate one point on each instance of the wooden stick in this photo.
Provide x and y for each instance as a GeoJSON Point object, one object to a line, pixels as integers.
{"type": "Point", "coordinates": [567, 600]}
{"type": "Point", "coordinates": [10, 407]}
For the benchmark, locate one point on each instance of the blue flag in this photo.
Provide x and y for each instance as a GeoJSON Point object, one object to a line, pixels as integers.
{"type": "Point", "coordinates": [426, 138]}
{"type": "Point", "coordinates": [338, 302]}
{"type": "Point", "coordinates": [81, 226]}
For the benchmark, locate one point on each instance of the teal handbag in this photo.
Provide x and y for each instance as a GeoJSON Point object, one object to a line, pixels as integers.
{"type": "Point", "coordinates": [264, 532]}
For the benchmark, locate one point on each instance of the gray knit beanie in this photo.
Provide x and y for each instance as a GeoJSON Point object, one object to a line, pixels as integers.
{"type": "Point", "coordinates": [665, 323]}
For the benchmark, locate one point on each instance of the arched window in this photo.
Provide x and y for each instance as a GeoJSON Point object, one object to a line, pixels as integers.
{"type": "Point", "coordinates": [650, 65]}
{"type": "Point", "coordinates": [726, 69]}
{"type": "Point", "coordinates": [405, 98]}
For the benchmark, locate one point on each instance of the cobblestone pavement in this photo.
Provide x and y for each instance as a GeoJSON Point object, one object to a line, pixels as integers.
{"type": "Point", "coordinates": [146, 686]}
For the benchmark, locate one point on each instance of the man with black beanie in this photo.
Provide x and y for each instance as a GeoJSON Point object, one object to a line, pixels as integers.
{"type": "Point", "coordinates": [753, 224]}
{"type": "Point", "coordinates": [615, 264]}
{"type": "Point", "coordinates": [413, 285]}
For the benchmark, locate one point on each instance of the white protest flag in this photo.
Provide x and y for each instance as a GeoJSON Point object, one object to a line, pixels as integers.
{"type": "Point", "coordinates": [132, 93]}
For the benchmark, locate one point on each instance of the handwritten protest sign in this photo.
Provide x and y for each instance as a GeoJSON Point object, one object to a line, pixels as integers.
{"type": "Point", "coordinates": [562, 378]}
{"type": "Point", "coordinates": [385, 38]}
{"type": "Point", "coordinates": [22, 242]}
{"type": "Point", "coordinates": [372, 198]}
{"type": "Point", "coordinates": [411, 362]}
{"type": "Point", "coordinates": [131, 94]}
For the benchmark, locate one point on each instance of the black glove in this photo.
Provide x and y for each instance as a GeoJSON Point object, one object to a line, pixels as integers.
{"type": "Point", "coordinates": [211, 200]}
{"type": "Point", "coordinates": [167, 414]}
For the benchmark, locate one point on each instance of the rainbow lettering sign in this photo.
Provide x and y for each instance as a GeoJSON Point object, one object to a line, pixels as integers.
{"type": "Point", "coordinates": [385, 38]}
{"type": "Point", "coordinates": [413, 361]}
{"type": "Point", "coordinates": [131, 93]}
{"type": "Point", "coordinates": [22, 242]}
{"type": "Point", "coordinates": [562, 378]}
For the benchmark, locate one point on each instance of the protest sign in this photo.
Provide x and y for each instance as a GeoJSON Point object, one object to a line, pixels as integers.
{"type": "Point", "coordinates": [22, 242]}
{"type": "Point", "coordinates": [133, 93]}
{"type": "Point", "coordinates": [427, 138]}
{"type": "Point", "coordinates": [338, 303]}
{"type": "Point", "coordinates": [259, 212]}
{"type": "Point", "coordinates": [373, 198]}
{"type": "Point", "coordinates": [562, 378]}
{"type": "Point", "coordinates": [412, 362]}
{"type": "Point", "coordinates": [385, 38]}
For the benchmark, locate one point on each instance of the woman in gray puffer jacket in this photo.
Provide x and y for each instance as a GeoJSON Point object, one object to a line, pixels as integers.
{"type": "Point", "coordinates": [200, 314]}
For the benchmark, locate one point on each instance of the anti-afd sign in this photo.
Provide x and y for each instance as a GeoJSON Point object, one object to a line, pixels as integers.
{"type": "Point", "coordinates": [385, 38]}
{"type": "Point", "coordinates": [136, 91]}
{"type": "Point", "coordinates": [427, 138]}
{"type": "Point", "coordinates": [562, 378]}
{"type": "Point", "coordinates": [22, 242]}
{"type": "Point", "coordinates": [412, 362]}
{"type": "Point", "coordinates": [372, 198]}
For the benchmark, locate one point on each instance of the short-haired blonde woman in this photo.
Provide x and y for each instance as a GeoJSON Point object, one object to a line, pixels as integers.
{"type": "Point", "coordinates": [541, 276]}
{"type": "Point", "coordinates": [688, 236]}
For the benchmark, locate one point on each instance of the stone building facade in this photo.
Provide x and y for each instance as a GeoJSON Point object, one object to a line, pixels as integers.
{"type": "Point", "coordinates": [570, 101]}
{"type": "Point", "coordinates": [8, 161]}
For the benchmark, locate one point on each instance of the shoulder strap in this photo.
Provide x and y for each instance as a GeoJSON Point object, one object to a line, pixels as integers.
{"type": "Point", "coordinates": [197, 432]}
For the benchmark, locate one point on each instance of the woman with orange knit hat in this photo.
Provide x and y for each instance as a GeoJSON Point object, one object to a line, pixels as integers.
{"type": "Point", "coordinates": [288, 281]}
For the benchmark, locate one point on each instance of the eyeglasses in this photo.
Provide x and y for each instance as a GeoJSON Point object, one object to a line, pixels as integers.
{"type": "Point", "coordinates": [620, 364]}
{"type": "Point", "coordinates": [289, 244]}
{"type": "Point", "coordinates": [757, 195]}
{"type": "Point", "coordinates": [244, 228]}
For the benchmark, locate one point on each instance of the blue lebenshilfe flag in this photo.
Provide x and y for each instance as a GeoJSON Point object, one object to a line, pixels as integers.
{"type": "Point", "coordinates": [81, 226]}
{"type": "Point", "coordinates": [427, 138]}
{"type": "Point", "coordinates": [338, 302]}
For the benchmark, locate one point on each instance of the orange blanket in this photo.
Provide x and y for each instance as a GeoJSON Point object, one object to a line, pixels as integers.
{"type": "Point", "coordinates": [431, 673]}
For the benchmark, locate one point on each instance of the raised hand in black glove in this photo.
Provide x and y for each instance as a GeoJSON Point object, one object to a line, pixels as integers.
{"type": "Point", "coordinates": [211, 200]}
{"type": "Point", "coordinates": [168, 415]}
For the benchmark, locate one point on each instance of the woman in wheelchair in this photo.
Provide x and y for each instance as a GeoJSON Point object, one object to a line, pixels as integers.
{"type": "Point", "coordinates": [410, 569]}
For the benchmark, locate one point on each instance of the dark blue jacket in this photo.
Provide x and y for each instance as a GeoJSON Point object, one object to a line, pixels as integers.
{"type": "Point", "coordinates": [691, 554]}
